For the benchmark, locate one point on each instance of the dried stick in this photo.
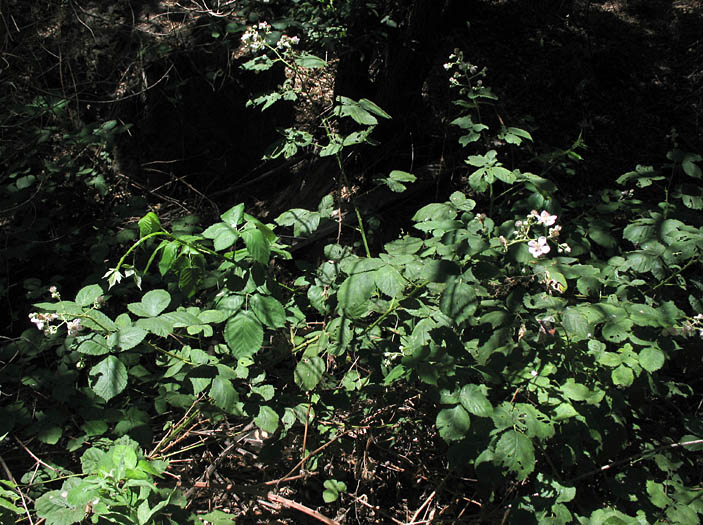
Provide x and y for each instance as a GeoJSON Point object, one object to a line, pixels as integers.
{"type": "Point", "coordinates": [275, 498]}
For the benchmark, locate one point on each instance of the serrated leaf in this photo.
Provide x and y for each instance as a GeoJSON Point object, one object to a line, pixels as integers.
{"type": "Point", "coordinates": [217, 517]}
{"type": "Point", "coordinates": [475, 401]}
{"type": "Point", "coordinates": [354, 294]}
{"type": "Point", "coordinates": [152, 304]}
{"type": "Point", "coordinates": [257, 245]}
{"type": "Point", "coordinates": [458, 301]}
{"type": "Point", "coordinates": [435, 211]}
{"type": "Point", "coordinates": [390, 281]}
{"type": "Point", "coordinates": [54, 508]}
{"type": "Point", "coordinates": [233, 216]}
{"type": "Point", "coordinates": [577, 324]}
{"type": "Point", "coordinates": [149, 224]}
{"type": "Point", "coordinates": [108, 377]}
{"type": "Point", "coordinates": [169, 254]}
{"type": "Point", "coordinates": [515, 451]}
{"type": "Point", "coordinates": [651, 359]}
{"type": "Point", "coordinates": [223, 393]}
{"type": "Point", "coordinates": [453, 423]}
{"type": "Point", "coordinates": [96, 345]}
{"type": "Point", "coordinates": [244, 334]}
{"type": "Point", "coordinates": [155, 325]}
{"type": "Point", "coordinates": [370, 106]}
{"type": "Point", "coordinates": [127, 338]}
{"type": "Point", "coordinates": [87, 295]}
{"type": "Point", "coordinates": [617, 331]}
{"type": "Point", "coordinates": [267, 419]}
{"type": "Point", "coordinates": [268, 310]}
{"type": "Point", "coordinates": [50, 434]}
{"type": "Point", "coordinates": [309, 372]}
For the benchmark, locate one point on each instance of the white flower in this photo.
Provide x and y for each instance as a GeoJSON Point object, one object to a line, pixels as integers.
{"type": "Point", "coordinates": [545, 218]}
{"type": "Point", "coordinates": [538, 247]}
{"type": "Point", "coordinates": [533, 373]}
{"type": "Point", "coordinates": [554, 232]}
{"type": "Point", "coordinates": [74, 327]}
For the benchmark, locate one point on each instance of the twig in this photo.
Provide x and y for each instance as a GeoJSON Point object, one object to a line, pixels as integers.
{"type": "Point", "coordinates": [418, 511]}
{"type": "Point", "coordinates": [375, 508]}
{"type": "Point", "coordinates": [35, 457]}
{"type": "Point", "coordinates": [275, 498]}
{"type": "Point", "coordinates": [634, 457]}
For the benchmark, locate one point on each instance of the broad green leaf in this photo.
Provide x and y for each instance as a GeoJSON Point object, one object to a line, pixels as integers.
{"type": "Point", "coordinates": [267, 419]}
{"type": "Point", "coordinates": [622, 376]}
{"type": "Point", "coordinates": [152, 304]}
{"type": "Point", "coordinates": [233, 216]}
{"type": "Point", "coordinates": [458, 301]}
{"type": "Point", "coordinates": [304, 222]}
{"type": "Point", "coordinates": [575, 391]}
{"type": "Point", "coordinates": [473, 399]}
{"type": "Point", "coordinates": [577, 324]}
{"type": "Point", "coordinates": [651, 359]}
{"type": "Point", "coordinates": [435, 211]}
{"type": "Point", "coordinates": [217, 517]}
{"type": "Point", "coordinates": [308, 372]}
{"type": "Point", "coordinates": [223, 393]}
{"type": "Point", "coordinates": [155, 325]}
{"type": "Point", "coordinates": [127, 338]}
{"type": "Point", "coordinates": [169, 254]}
{"type": "Point", "coordinates": [108, 377]}
{"type": "Point", "coordinates": [50, 434]}
{"type": "Point", "coordinates": [390, 281]}
{"type": "Point", "coordinates": [515, 451]}
{"type": "Point", "coordinates": [244, 334]}
{"type": "Point", "coordinates": [354, 293]}
{"type": "Point", "coordinates": [98, 321]}
{"type": "Point", "coordinates": [88, 295]}
{"type": "Point", "coordinates": [90, 460]}
{"type": "Point", "coordinates": [657, 494]}
{"type": "Point", "coordinates": [54, 508]}
{"type": "Point", "coordinates": [257, 245]}
{"type": "Point", "coordinates": [404, 246]}
{"type": "Point", "coordinates": [617, 331]}
{"type": "Point", "coordinates": [370, 106]}
{"type": "Point", "coordinates": [149, 224]}
{"type": "Point", "coordinates": [96, 345]}
{"type": "Point", "coordinates": [268, 310]}
{"type": "Point", "coordinates": [222, 236]}
{"type": "Point", "coordinates": [124, 456]}
{"type": "Point", "coordinates": [310, 61]}
{"type": "Point", "coordinates": [180, 318]}
{"type": "Point", "coordinates": [453, 423]}
{"type": "Point", "coordinates": [333, 489]}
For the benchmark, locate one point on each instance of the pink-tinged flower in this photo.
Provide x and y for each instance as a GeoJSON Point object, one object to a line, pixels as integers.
{"type": "Point", "coordinates": [545, 218]}
{"type": "Point", "coordinates": [74, 327]}
{"type": "Point", "coordinates": [538, 247]}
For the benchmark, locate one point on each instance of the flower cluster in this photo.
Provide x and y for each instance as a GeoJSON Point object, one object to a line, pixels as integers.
{"type": "Point", "coordinates": [462, 71]}
{"type": "Point", "coordinates": [43, 322]}
{"type": "Point", "coordinates": [255, 37]}
{"type": "Point", "coordinates": [540, 246]}
{"type": "Point", "coordinates": [689, 328]}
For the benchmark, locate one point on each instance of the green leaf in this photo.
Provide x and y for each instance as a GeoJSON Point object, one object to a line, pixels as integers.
{"type": "Point", "coordinates": [458, 301]}
{"type": "Point", "coordinates": [124, 456]}
{"type": "Point", "coordinates": [310, 61]}
{"type": "Point", "coordinates": [473, 399]}
{"type": "Point", "coordinates": [127, 338]}
{"type": "Point", "coordinates": [96, 345]}
{"type": "Point", "coordinates": [515, 451]}
{"type": "Point", "coordinates": [108, 377]}
{"type": "Point", "coordinates": [149, 224]}
{"type": "Point", "coordinates": [354, 294]}
{"type": "Point", "coordinates": [268, 310]}
{"type": "Point", "coordinates": [390, 281]}
{"type": "Point", "coordinates": [651, 359]}
{"type": "Point", "coordinates": [50, 434]}
{"type": "Point", "coordinates": [453, 423]}
{"type": "Point", "coordinates": [155, 325]}
{"type": "Point", "coordinates": [267, 419]}
{"type": "Point", "coordinates": [657, 494]}
{"type": "Point", "coordinates": [373, 108]}
{"type": "Point", "coordinates": [435, 211]}
{"type": "Point", "coordinates": [88, 295]}
{"type": "Point", "coordinates": [152, 304]}
{"type": "Point", "coordinates": [217, 517]}
{"type": "Point", "coordinates": [244, 334]}
{"type": "Point", "coordinates": [223, 393]}
{"type": "Point", "coordinates": [622, 376]}
{"type": "Point", "coordinates": [617, 331]}
{"type": "Point", "coordinates": [308, 372]}
{"type": "Point", "coordinates": [333, 489]}
{"type": "Point", "coordinates": [257, 245]}
{"type": "Point", "coordinates": [577, 324]}
{"type": "Point", "coordinates": [233, 216]}
{"type": "Point", "coordinates": [222, 236]}
{"type": "Point", "coordinates": [169, 254]}
{"type": "Point", "coordinates": [54, 508]}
